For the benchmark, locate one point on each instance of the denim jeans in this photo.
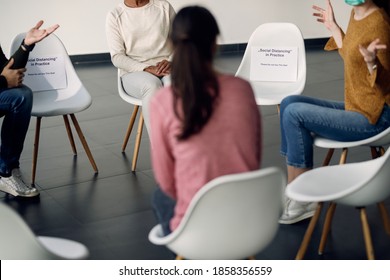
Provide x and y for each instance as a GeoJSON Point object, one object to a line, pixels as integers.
{"type": "Point", "coordinates": [302, 116]}
{"type": "Point", "coordinates": [15, 106]}
{"type": "Point", "coordinates": [163, 207]}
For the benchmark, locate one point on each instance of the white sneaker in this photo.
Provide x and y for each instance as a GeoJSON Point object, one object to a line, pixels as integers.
{"type": "Point", "coordinates": [295, 211]}
{"type": "Point", "coordinates": [15, 185]}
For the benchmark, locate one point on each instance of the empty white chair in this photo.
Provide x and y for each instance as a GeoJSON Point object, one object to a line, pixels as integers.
{"type": "Point", "coordinates": [275, 35]}
{"type": "Point", "coordinates": [67, 101]}
{"type": "Point", "coordinates": [20, 243]}
{"type": "Point", "coordinates": [231, 217]}
{"type": "Point", "coordinates": [137, 103]}
{"type": "Point", "coordinates": [355, 184]}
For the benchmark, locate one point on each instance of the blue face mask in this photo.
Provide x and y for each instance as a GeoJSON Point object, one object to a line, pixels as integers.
{"type": "Point", "coordinates": [355, 2]}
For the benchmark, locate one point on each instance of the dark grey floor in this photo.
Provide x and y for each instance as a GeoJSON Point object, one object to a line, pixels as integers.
{"type": "Point", "coordinates": [111, 213]}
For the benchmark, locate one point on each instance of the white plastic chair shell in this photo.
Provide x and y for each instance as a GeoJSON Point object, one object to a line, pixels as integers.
{"type": "Point", "coordinates": [70, 100]}
{"type": "Point", "coordinates": [275, 34]}
{"type": "Point", "coordinates": [20, 243]}
{"type": "Point", "coordinates": [379, 140]}
{"type": "Point", "coordinates": [231, 217]}
{"type": "Point", "coordinates": [355, 184]}
{"type": "Point", "coordinates": [126, 97]}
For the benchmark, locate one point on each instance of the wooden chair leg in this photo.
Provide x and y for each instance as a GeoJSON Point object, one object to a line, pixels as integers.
{"type": "Point", "coordinates": [309, 232]}
{"type": "Point", "coordinates": [70, 134]}
{"type": "Point", "coordinates": [251, 258]}
{"type": "Point", "coordinates": [343, 157]}
{"type": "Point", "coordinates": [367, 234]}
{"type": "Point", "coordinates": [385, 217]}
{"type": "Point", "coordinates": [179, 258]}
{"type": "Point", "coordinates": [137, 141]}
{"type": "Point", "coordinates": [328, 157]}
{"type": "Point", "coordinates": [84, 142]}
{"type": "Point", "coordinates": [35, 150]}
{"type": "Point", "coordinates": [130, 127]}
{"type": "Point", "coordinates": [327, 226]}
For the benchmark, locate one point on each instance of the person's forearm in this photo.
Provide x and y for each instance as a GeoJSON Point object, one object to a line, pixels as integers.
{"type": "Point", "coordinates": [20, 58]}
{"type": "Point", "coordinates": [338, 35]}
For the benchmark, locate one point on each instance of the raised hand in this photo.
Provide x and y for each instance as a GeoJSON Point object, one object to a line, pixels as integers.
{"type": "Point", "coordinates": [35, 34]}
{"type": "Point", "coordinates": [326, 16]}
{"type": "Point", "coordinates": [369, 53]}
{"type": "Point", "coordinates": [14, 76]}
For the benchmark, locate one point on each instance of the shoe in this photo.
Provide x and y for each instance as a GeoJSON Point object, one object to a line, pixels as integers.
{"type": "Point", "coordinates": [15, 185]}
{"type": "Point", "coordinates": [295, 211]}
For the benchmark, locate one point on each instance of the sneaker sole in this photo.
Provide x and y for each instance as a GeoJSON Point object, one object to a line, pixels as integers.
{"type": "Point", "coordinates": [298, 219]}
{"type": "Point", "coordinates": [14, 193]}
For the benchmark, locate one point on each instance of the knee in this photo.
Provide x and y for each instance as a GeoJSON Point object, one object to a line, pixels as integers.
{"type": "Point", "coordinates": [24, 98]}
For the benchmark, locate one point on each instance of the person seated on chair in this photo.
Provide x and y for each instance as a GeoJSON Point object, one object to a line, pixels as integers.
{"type": "Point", "coordinates": [137, 34]}
{"type": "Point", "coordinates": [205, 125]}
{"type": "Point", "coordinates": [365, 111]}
{"type": "Point", "coordinates": [15, 105]}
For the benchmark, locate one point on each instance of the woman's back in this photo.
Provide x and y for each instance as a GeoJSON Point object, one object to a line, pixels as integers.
{"type": "Point", "coordinates": [230, 142]}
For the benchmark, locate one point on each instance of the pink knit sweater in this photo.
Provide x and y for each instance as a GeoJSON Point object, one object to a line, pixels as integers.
{"type": "Point", "coordinates": [229, 143]}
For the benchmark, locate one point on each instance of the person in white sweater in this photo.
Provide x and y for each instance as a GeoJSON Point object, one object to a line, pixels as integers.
{"type": "Point", "coordinates": [137, 34]}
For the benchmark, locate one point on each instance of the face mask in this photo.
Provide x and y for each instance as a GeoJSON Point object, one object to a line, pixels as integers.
{"type": "Point", "coordinates": [355, 2]}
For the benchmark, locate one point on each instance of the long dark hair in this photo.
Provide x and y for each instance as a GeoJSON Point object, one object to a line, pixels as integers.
{"type": "Point", "coordinates": [194, 82]}
{"type": "Point", "coordinates": [385, 4]}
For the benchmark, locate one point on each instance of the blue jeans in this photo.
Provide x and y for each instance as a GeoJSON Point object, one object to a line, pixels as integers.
{"type": "Point", "coordinates": [163, 207]}
{"type": "Point", "coordinates": [302, 116]}
{"type": "Point", "coordinates": [15, 106]}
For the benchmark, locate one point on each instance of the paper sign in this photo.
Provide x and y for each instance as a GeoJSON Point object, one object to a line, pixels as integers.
{"type": "Point", "coordinates": [274, 64]}
{"type": "Point", "coordinates": [45, 73]}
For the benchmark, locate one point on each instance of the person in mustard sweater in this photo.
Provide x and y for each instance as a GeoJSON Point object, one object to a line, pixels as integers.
{"type": "Point", "coordinates": [15, 106]}
{"type": "Point", "coordinates": [365, 111]}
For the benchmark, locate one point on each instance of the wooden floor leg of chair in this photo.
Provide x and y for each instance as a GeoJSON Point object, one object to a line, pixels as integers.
{"type": "Point", "coordinates": [251, 258]}
{"type": "Point", "coordinates": [137, 141]}
{"type": "Point", "coordinates": [327, 226]}
{"type": "Point", "coordinates": [130, 127]}
{"type": "Point", "coordinates": [70, 134]}
{"type": "Point", "coordinates": [328, 157]}
{"type": "Point", "coordinates": [343, 157]}
{"type": "Point", "coordinates": [309, 232]}
{"type": "Point", "coordinates": [35, 150]}
{"type": "Point", "coordinates": [385, 217]}
{"type": "Point", "coordinates": [84, 142]}
{"type": "Point", "coordinates": [367, 234]}
{"type": "Point", "coordinates": [179, 258]}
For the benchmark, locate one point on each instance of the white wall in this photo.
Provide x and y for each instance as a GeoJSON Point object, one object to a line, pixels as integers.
{"type": "Point", "coordinates": [82, 21]}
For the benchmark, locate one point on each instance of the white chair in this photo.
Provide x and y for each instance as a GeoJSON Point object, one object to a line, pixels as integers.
{"type": "Point", "coordinates": [137, 103]}
{"type": "Point", "coordinates": [275, 34]}
{"type": "Point", "coordinates": [355, 184]}
{"type": "Point", "coordinates": [231, 217]}
{"type": "Point", "coordinates": [20, 243]}
{"type": "Point", "coordinates": [64, 102]}
{"type": "Point", "coordinates": [376, 143]}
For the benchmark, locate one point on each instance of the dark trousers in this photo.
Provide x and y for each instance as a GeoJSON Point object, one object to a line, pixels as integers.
{"type": "Point", "coordinates": [163, 207]}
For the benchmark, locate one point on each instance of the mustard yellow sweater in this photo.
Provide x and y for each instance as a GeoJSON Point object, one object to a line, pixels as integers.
{"type": "Point", "coordinates": [365, 93]}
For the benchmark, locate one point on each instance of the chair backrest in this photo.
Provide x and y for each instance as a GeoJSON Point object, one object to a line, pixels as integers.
{"type": "Point", "coordinates": [19, 242]}
{"type": "Point", "coordinates": [231, 217]}
{"type": "Point", "coordinates": [126, 97]}
{"type": "Point", "coordinates": [275, 34]}
{"type": "Point", "coordinates": [71, 99]}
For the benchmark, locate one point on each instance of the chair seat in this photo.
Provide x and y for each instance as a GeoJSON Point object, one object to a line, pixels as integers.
{"type": "Point", "coordinates": [381, 139]}
{"type": "Point", "coordinates": [354, 184]}
{"type": "Point", "coordinates": [272, 93]}
{"type": "Point", "coordinates": [64, 248]}
{"type": "Point", "coordinates": [53, 103]}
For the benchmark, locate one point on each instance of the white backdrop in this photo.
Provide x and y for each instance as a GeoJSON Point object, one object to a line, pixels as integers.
{"type": "Point", "coordinates": [82, 21]}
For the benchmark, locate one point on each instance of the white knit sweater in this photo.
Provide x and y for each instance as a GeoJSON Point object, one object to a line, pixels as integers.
{"type": "Point", "coordinates": [138, 37]}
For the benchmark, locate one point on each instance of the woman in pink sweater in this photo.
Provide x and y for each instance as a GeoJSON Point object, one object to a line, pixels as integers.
{"type": "Point", "coordinates": [204, 125]}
